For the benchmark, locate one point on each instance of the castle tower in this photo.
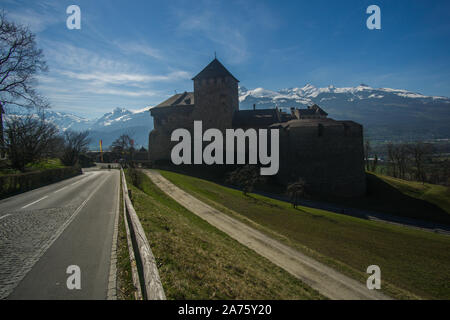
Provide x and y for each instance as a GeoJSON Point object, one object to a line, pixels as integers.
{"type": "Point", "coordinates": [216, 96]}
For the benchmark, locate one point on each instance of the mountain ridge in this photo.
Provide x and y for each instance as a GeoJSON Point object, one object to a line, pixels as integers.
{"type": "Point", "coordinates": [386, 114]}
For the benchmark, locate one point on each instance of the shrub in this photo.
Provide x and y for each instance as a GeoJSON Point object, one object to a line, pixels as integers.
{"type": "Point", "coordinates": [17, 183]}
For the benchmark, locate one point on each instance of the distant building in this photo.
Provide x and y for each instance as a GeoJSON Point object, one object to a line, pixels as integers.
{"type": "Point", "coordinates": [326, 153]}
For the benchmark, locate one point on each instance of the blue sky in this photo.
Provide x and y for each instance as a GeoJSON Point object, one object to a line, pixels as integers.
{"type": "Point", "coordinates": [136, 53]}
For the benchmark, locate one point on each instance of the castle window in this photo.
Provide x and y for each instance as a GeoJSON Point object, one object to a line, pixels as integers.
{"type": "Point", "coordinates": [320, 129]}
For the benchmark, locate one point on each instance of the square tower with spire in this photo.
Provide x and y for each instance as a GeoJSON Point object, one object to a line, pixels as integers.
{"type": "Point", "coordinates": [216, 96]}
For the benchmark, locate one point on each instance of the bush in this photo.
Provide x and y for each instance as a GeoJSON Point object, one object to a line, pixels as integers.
{"type": "Point", "coordinates": [85, 162]}
{"type": "Point", "coordinates": [295, 191]}
{"type": "Point", "coordinates": [17, 183]}
{"type": "Point", "coordinates": [245, 178]}
{"type": "Point", "coordinates": [135, 176]}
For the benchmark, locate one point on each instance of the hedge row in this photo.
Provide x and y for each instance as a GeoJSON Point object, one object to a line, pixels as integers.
{"type": "Point", "coordinates": [17, 183]}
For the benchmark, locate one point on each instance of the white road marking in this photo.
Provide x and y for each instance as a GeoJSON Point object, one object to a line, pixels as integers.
{"type": "Point", "coordinates": [88, 175]}
{"type": "Point", "coordinates": [76, 182]}
{"type": "Point", "coordinates": [4, 216]}
{"type": "Point", "coordinates": [56, 235]}
{"type": "Point", "coordinates": [34, 202]}
{"type": "Point", "coordinates": [60, 189]}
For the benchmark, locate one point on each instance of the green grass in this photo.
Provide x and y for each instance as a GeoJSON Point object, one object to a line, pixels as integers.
{"type": "Point", "coordinates": [401, 198]}
{"type": "Point", "coordinates": [414, 264]}
{"type": "Point", "coordinates": [52, 163]}
{"type": "Point", "coordinates": [45, 164]}
{"type": "Point", "coordinates": [197, 261]}
{"type": "Point", "coordinates": [432, 193]}
{"type": "Point", "coordinates": [125, 286]}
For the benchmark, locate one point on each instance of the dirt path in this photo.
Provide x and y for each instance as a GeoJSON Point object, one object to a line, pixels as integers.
{"type": "Point", "coordinates": [327, 281]}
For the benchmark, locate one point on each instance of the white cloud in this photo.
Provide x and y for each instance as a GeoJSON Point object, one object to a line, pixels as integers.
{"type": "Point", "coordinates": [36, 21]}
{"type": "Point", "coordinates": [140, 48]}
{"type": "Point", "coordinates": [70, 57]}
{"type": "Point", "coordinates": [210, 24]}
{"type": "Point", "coordinates": [125, 78]}
{"type": "Point", "coordinates": [126, 93]}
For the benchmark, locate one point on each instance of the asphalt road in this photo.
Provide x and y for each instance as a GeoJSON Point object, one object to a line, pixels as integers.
{"type": "Point", "coordinates": [44, 231]}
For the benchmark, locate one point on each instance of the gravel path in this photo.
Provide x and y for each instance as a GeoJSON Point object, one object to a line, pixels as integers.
{"type": "Point", "coordinates": [327, 281]}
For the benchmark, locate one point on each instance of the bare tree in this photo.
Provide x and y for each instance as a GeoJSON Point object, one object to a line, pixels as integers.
{"type": "Point", "coordinates": [122, 144]}
{"type": "Point", "coordinates": [28, 139]}
{"type": "Point", "coordinates": [20, 61]}
{"type": "Point", "coordinates": [367, 149]}
{"type": "Point", "coordinates": [374, 163]}
{"type": "Point", "coordinates": [125, 147]}
{"type": "Point", "coordinates": [245, 178]}
{"type": "Point", "coordinates": [2, 143]}
{"type": "Point", "coordinates": [399, 158]}
{"type": "Point", "coordinates": [419, 152]}
{"type": "Point", "coordinates": [295, 191]}
{"type": "Point", "coordinates": [75, 143]}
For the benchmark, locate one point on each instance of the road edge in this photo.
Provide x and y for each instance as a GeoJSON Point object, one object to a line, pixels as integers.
{"type": "Point", "coordinates": [112, 280]}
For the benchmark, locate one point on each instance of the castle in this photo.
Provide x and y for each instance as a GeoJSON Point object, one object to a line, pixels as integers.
{"type": "Point", "coordinates": [327, 154]}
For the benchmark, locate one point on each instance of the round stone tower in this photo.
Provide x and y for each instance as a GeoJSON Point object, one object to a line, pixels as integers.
{"type": "Point", "coordinates": [216, 96]}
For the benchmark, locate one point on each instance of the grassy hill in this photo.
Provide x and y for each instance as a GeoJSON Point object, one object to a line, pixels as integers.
{"type": "Point", "coordinates": [197, 261]}
{"type": "Point", "coordinates": [435, 194]}
{"type": "Point", "coordinates": [414, 264]}
{"type": "Point", "coordinates": [402, 198]}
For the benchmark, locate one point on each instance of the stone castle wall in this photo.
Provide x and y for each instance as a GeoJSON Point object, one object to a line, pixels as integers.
{"type": "Point", "coordinates": [159, 144]}
{"type": "Point", "coordinates": [216, 100]}
{"type": "Point", "coordinates": [327, 155]}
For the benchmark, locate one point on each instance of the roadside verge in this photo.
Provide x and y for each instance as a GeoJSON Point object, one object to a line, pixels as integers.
{"type": "Point", "coordinates": [148, 274]}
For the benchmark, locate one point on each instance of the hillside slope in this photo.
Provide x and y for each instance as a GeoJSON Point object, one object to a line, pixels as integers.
{"type": "Point", "coordinates": [345, 243]}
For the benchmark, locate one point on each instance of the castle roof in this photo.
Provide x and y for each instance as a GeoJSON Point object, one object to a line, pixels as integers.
{"type": "Point", "coordinates": [314, 122]}
{"type": "Point", "coordinates": [312, 110]}
{"type": "Point", "coordinates": [180, 99]}
{"type": "Point", "coordinates": [255, 118]}
{"type": "Point", "coordinates": [214, 70]}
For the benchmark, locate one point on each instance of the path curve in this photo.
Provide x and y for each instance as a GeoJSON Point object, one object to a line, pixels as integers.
{"type": "Point", "coordinates": [324, 279]}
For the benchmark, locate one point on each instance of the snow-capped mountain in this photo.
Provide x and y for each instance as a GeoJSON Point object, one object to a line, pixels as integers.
{"type": "Point", "coordinates": [310, 94]}
{"type": "Point", "coordinates": [64, 121]}
{"type": "Point", "coordinates": [106, 128]}
{"type": "Point", "coordinates": [111, 125]}
{"type": "Point", "coordinates": [67, 121]}
{"type": "Point", "coordinates": [387, 114]}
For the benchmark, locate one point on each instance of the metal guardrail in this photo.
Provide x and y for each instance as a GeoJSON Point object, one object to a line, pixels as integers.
{"type": "Point", "coordinates": [149, 280]}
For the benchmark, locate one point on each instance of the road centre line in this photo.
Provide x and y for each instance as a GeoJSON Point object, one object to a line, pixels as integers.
{"type": "Point", "coordinates": [34, 202]}
{"type": "Point", "coordinates": [81, 179]}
